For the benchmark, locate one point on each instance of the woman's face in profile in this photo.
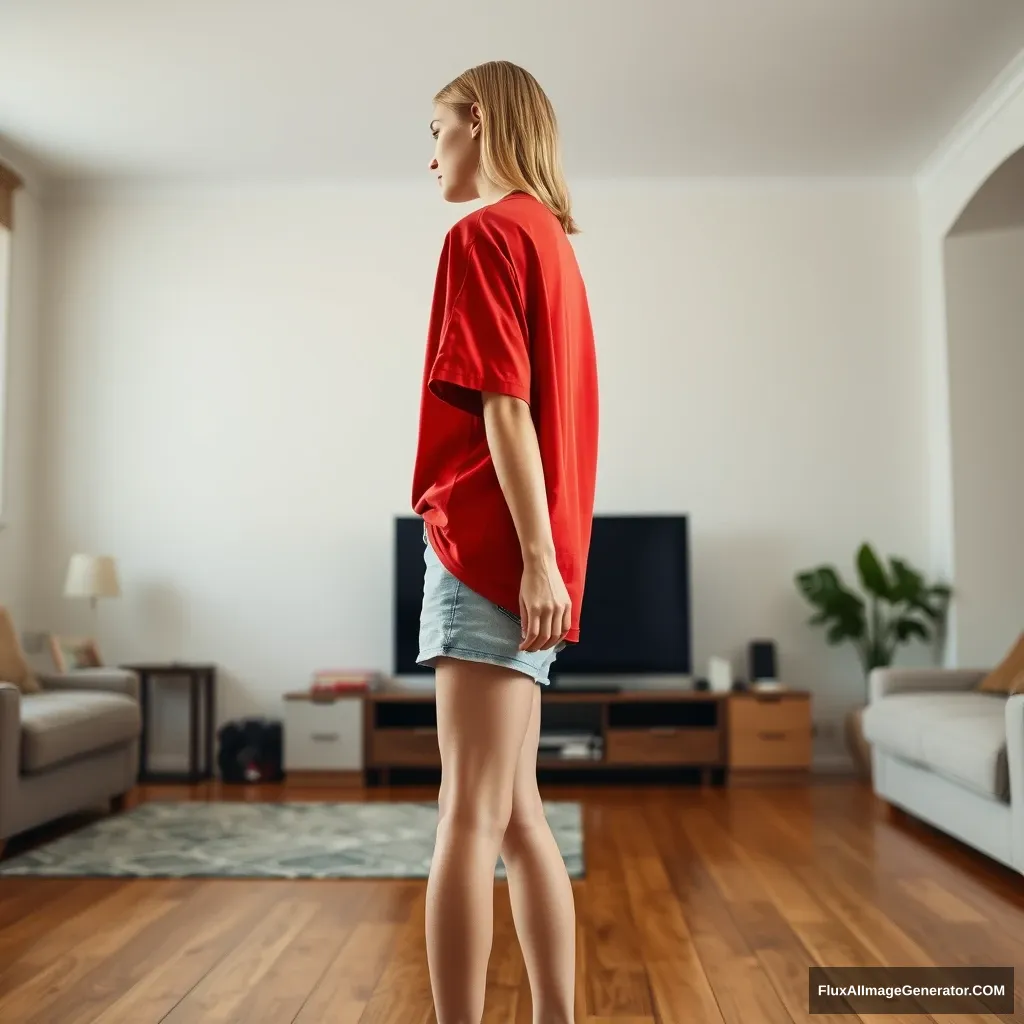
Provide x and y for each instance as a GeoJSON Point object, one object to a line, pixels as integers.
{"type": "Point", "coordinates": [456, 157]}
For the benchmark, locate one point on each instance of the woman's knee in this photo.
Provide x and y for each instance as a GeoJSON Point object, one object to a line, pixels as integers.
{"type": "Point", "coordinates": [526, 819]}
{"type": "Point", "coordinates": [478, 808]}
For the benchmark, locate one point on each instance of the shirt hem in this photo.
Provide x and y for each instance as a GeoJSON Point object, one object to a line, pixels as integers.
{"type": "Point", "coordinates": [483, 590]}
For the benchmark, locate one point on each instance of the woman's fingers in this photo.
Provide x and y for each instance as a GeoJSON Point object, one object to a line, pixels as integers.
{"type": "Point", "coordinates": [544, 626]}
{"type": "Point", "coordinates": [566, 623]}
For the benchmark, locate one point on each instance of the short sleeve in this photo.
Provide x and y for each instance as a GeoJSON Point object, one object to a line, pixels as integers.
{"type": "Point", "coordinates": [484, 342]}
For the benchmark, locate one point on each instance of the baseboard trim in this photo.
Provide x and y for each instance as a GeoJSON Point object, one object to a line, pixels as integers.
{"type": "Point", "coordinates": [312, 779]}
{"type": "Point", "coordinates": [837, 764]}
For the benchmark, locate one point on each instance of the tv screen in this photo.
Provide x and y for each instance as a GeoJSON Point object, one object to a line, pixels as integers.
{"type": "Point", "coordinates": [635, 617]}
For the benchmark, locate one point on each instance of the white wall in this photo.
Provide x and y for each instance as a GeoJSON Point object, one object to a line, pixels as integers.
{"type": "Point", "coordinates": [985, 303]}
{"type": "Point", "coordinates": [989, 134]}
{"type": "Point", "coordinates": [17, 532]}
{"type": "Point", "coordinates": [231, 390]}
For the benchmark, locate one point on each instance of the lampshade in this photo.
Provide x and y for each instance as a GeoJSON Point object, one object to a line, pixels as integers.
{"type": "Point", "coordinates": [92, 576]}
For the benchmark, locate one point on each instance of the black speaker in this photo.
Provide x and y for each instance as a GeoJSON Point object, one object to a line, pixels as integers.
{"type": "Point", "coordinates": [251, 750]}
{"type": "Point", "coordinates": [761, 660]}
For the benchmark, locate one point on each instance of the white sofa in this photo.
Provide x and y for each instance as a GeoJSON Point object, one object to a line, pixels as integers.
{"type": "Point", "coordinates": [950, 755]}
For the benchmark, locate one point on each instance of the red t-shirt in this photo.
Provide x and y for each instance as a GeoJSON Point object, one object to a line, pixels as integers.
{"type": "Point", "coordinates": [509, 315]}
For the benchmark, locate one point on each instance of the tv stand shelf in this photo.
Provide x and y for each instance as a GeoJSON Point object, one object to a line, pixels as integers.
{"type": "Point", "coordinates": [712, 737]}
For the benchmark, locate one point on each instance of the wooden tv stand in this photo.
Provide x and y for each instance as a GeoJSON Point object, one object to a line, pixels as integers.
{"type": "Point", "coordinates": [712, 737]}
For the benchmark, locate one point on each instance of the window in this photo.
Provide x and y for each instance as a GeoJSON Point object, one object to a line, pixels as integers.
{"type": "Point", "coordinates": [8, 183]}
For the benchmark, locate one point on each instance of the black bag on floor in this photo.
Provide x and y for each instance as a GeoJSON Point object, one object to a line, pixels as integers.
{"type": "Point", "coordinates": [250, 750]}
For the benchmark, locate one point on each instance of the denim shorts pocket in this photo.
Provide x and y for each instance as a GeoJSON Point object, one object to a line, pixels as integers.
{"type": "Point", "coordinates": [509, 615]}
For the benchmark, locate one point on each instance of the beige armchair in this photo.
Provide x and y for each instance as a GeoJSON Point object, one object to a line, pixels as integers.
{"type": "Point", "coordinates": [68, 741]}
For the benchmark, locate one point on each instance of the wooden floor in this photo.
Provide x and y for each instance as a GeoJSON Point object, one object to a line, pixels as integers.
{"type": "Point", "coordinates": [702, 904]}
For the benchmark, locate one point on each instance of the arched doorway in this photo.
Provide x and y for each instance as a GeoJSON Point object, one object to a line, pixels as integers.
{"type": "Point", "coordinates": [983, 257]}
{"type": "Point", "coordinates": [983, 144]}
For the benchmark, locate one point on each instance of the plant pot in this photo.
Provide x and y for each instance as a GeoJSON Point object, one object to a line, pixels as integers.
{"type": "Point", "coordinates": [859, 748]}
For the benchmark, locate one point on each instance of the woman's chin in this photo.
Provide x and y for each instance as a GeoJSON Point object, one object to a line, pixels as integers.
{"type": "Point", "coordinates": [453, 192]}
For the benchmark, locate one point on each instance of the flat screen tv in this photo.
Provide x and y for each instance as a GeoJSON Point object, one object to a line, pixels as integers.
{"type": "Point", "coordinates": [635, 618]}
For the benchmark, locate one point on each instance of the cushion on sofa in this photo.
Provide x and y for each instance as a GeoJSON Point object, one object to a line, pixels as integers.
{"type": "Point", "coordinates": [960, 735]}
{"type": "Point", "coordinates": [1008, 676]}
{"type": "Point", "coordinates": [59, 725]}
{"type": "Point", "coordinates": [13, 666]}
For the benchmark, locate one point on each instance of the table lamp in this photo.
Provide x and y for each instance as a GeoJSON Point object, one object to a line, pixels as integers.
{"type": "Point", "coordinates": [92, 576]}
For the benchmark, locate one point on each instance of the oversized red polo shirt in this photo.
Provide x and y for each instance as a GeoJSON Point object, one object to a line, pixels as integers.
{"type": "Point", "coordinates": [509, 315]}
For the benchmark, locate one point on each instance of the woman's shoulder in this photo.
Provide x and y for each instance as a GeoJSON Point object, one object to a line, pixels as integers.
{"type": "Point", "coordinates": [515, 225]}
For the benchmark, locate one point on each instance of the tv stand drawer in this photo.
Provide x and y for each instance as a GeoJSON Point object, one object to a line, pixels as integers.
{"type": "Point", "coordinates": [771, 748]}
{"type": "Point", "coordinates": [769, 732]}
{"type": "Point", "coordinates": [664, 746]}
{"type": "Point", "coordinates": [404, 748]}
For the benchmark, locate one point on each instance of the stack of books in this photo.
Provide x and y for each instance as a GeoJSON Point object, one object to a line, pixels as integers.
{"type": "Point", "coordinates": [342, 681]}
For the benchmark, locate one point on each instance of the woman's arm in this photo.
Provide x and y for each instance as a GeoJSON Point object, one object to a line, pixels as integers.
{"type": "Point", "coordinates": [544, 605]}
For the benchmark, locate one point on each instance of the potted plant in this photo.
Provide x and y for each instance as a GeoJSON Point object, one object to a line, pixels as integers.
{"type": "Point", "coordinates": [897, 606]}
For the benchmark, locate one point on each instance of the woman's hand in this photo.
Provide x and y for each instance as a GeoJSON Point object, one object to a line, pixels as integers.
{"type": "Point", "coordinates": [544, 605]}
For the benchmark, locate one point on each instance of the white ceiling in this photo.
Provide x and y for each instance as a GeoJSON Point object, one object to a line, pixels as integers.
{"type": "Point", "coordinates": [331, 89]}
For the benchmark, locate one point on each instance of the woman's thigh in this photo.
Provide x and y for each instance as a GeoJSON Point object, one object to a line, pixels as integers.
{"type": "Point", "coordinates": [483, 715]}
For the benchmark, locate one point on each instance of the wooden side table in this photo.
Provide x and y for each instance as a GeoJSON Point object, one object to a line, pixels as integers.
{"type": "Point", "coordinates": [768, 736]}
{"type": "Point", "coordinates": [202, 704]}
{"type": "Point", "coordinates": [323, 738]}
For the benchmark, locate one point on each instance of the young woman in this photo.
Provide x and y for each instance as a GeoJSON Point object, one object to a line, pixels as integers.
{"type": "Point", "coordinates": [504, 481]}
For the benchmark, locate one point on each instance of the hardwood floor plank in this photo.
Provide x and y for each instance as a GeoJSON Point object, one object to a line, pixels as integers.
{"type": "Point", "coordinates": [676, 977]}
{"type": "Point", "coordinates": [31, 946]}
{"type": "Point", "coordinates": [178, 966]}
{"type": "Point", "coordinates": [17, 898]}
{"type": "Point", "coordinates": [826, 940]}
{"type": "Point", "coordinates": [283, 990]}
{"type": "Point", "coordinates": [877, 862]}
{"type": "Point", "coordinates": [698, 904]}
{"type": "Point", "coordinates": [941, 902]}
{"type": "Point", "coordinates": [869, 925]}
{"type": "Point", "coordinates": [222, 991]}
{"type": "Point", "coordinates": [84, 999]}
{"type": "Point", "coordinates": [345, 987]}
{"type": "Point", "coordinates": [43, 905]}
{"type": "Point", "coordinates": [744, 979]}
{"type": "Point", "coordinates": [71, 952]}
{"type": "Point", "coordinates": [615, 982]}
{"type": "Point", "coordinates": [402, 993]}
{"type": "Point", "coordinates": [621, 1020]}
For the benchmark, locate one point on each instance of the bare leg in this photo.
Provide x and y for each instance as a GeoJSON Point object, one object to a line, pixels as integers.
{"type": "Point", "coordinates": [482, 715]}
{"type": "Point", "coordinates": [540, 891]}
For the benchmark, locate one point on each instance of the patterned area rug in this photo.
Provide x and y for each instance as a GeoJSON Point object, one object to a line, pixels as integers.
{"type": "Point", "coordinates": [266, 840]}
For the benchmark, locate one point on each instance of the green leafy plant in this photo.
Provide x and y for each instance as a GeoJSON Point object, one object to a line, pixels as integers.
{"type": "Point", "coordinates": [897, 606]}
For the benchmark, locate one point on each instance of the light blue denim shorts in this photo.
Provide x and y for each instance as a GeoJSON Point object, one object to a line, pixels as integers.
{"type": "Point", "coordinates": [456, 622]}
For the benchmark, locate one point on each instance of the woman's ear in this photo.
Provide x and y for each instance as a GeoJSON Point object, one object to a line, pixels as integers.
{"type": "Point", "coordinates": [476, 120]}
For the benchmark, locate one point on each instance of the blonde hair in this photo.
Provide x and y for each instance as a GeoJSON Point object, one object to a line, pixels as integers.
{"type": "Point", "coordinates": [519, 140]}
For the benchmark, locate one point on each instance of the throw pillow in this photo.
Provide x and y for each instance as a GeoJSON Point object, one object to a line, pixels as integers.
{"type": "Point", "coordinates": [13, 666]}
{"type": "Point", "coordinates": [1008, 676]}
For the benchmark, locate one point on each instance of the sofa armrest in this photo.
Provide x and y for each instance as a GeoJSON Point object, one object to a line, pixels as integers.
{"type": "Point", "coordinates": [1014, 713]}
{"type": "Point", "coordinates": [113, 680]}
{"type": "Point", "coordinates": [10, 750]}
{"type": "Point", "coordinates": [885, 681]}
